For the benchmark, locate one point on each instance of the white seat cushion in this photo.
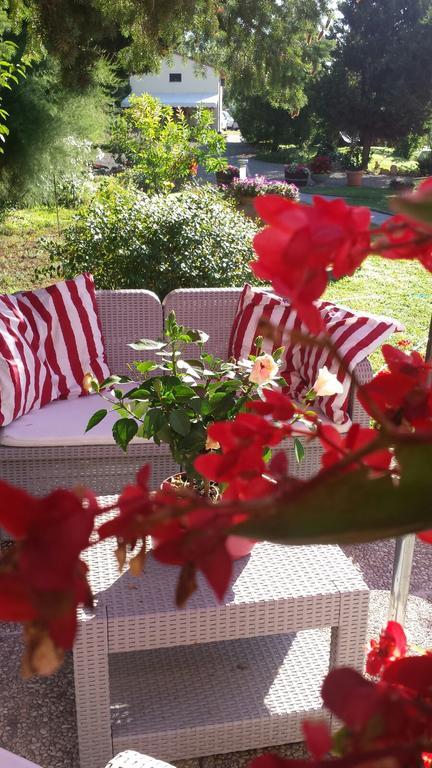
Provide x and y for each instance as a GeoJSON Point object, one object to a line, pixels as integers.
{"type": "Point", "coordinates": [62, 423]}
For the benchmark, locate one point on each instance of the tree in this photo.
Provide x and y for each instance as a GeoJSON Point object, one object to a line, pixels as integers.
{"type": "Point", "coordinates": [50, 130]}
{"type": "Point", "coordinates": [260, 121]}
{"type": "Point", "coordinates": [270, 46]}
{"type": "Point", "coordinates": [379, 86]}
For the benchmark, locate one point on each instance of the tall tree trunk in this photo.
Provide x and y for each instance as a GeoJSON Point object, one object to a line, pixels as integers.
{"type": "Point", "coordinates": [366, 142]}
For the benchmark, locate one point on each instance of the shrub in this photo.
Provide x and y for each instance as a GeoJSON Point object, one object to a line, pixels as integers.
{"type": "Point", "coordinates": [259, 185]}
{"type": "Point", "coordinates": [127, 239]}
{"type": "Point", "coordinates": [296, 170]}
{"type": "Point", "coordinates": [425, 164]}
{"type": "Point", "coordinates": [321, 164]}
{"type": "Point", "coordinates": [163, 146]}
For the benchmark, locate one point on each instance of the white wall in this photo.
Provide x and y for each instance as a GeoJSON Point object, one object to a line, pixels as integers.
{"type": "Point", "coordinates": [191, 81]}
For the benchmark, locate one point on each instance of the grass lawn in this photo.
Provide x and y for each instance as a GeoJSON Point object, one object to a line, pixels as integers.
{"type": "Point", "coordinates": [20, 253]}
{"type": "Point", "coordinates": [380, 158]}
{"type": "Point", "coordinates": [375, 198]}
{"type": "Point", "coordinates": [401, 289]}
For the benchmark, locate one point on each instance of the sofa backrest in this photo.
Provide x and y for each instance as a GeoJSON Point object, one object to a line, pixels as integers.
{"type": "Point", "coordinates": [208, 309]}
{"type": "Point", "coordinates": [128, 315]}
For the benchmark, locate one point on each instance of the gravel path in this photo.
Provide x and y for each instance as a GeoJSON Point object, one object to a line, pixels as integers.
{"type": "Point", "coordinates": [37, 717]}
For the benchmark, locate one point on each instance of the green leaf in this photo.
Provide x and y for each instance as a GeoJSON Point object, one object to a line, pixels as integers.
{"type": "Point", "coordinates": [154, 420]}
{"type": "Point", "coordinates": [350, 508]}
{"type": "Point", "coordinates": [180, 422]}
{"type": "Point", "coordinates": [96, 418]}
{"type": "Point", "coordinates": [124, 430]}
{"type": "Point", "coordinates": [298, 450]}
{"type": "Point", "coordinates": [147, 344]}
{"type": "Point", "coordinates": [197, 336]}
{"type": "Point", "coordinates": [115, 380]}
{"type": "Point", "coordinates": [145, 366]}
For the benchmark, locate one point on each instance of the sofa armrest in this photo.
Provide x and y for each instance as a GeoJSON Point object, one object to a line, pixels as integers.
{"type": "Point", "coordinates": [363, 373]}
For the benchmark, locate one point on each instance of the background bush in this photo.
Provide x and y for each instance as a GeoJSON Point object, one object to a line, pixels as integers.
{"type": "Point", "coordinates": [127, 239]}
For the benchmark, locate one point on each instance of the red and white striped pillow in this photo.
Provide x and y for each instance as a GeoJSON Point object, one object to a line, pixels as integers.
{"type": "Point", "coordinates": [49, 338]}
{"type": "Point", "coordinates": [355, 335]}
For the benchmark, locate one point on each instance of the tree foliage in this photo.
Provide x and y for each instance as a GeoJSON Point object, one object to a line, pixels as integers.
{"type": "Point", "coordinates": [260, 121]}
{"type": "Point", "coordinates": [50, 130]}
{"type": "Point", "coordinates": [380, 83]}
{"type": "Point", "coordinates": [270, 47]}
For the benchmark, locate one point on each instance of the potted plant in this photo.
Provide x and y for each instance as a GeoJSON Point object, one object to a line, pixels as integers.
{"type": "Point", "coordinates": [226, 175]}
{"type": "Point", "coordinates": [352, 164]}
{"type": "Point", "coordinates": [296, 173]}
{"type": "Point", "coordinates": [320, 168]}
{"type": "Point", "coordinates": [243, 191]}
{"type": "Point", "coordinates": [184, 397]}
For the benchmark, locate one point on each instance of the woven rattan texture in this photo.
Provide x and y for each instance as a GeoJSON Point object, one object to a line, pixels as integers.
{"type": "Point", "coordinates": [125, 317]}
{"type": "Point", "coordinates": [261, 688]}
{"type": "Point", "coordinates": [209, 309]}
{"type": "Point", "coordinates": [131, 759]}
{"type": "Point", "coordinates": [136, 650]}
{"type": "Point", "coordinates": [305, 594]}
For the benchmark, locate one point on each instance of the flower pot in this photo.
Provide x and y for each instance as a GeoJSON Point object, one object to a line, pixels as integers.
{"type": "Point", "coordinates": [354, 178]}
{"type": "Point", "coordinates": [225, 177]}
{"type": "Point", "coordinates": [299, 181]}
{"type": "Point", "coordinates": [320, 178]}
{"type": "Point", "coordinates": [245, 203]}
{"type": "Point", "coordinates": [237, 546]}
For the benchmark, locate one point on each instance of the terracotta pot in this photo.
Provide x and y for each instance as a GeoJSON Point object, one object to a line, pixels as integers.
{"type": "Point", "coordinates": [245, 204]}
{"type": "Point", "coordinates": [299, 181]}
{"type": "Point", "coordinates": [354, 178]}
{"type": "Point", "coordinates": [237, 546]}
{"type": "Point", "coordinates": [320, 178]}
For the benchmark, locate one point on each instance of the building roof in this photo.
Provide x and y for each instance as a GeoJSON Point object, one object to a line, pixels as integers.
{"type": "Point", "coordinates": [183, 99]}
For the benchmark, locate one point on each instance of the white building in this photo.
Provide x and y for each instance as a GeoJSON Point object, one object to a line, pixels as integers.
{"type": "Point", "coordinates": [179, 84]}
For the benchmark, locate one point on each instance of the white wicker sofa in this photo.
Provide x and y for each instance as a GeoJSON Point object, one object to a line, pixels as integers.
{"type": "Point", "coordinates": [47, 448]}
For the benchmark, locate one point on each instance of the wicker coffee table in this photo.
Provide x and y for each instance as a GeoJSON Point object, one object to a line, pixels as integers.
{"type": "Point", "coordinates": [213, 677]}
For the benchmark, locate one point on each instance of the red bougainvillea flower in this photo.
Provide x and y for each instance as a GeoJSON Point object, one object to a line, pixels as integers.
{"type": "Point", "coordinates": [42, 579]}
{"type": "Point", "coordinates": [337, 446]}
{"type": "Point", "coordinates": [303, 242]}
{"type": "Point", "coordinates": [391, 645]}
{"type": "Point", "coordinates": [425, 536]}
{"type": "Point", "coordinates": [399, 238]}
{"type": "Point", "coordinates": [406, 363]}
{"type": "Point", "coordinates": [242, 442]}
{"type": "Point", "coordinates": [401, 393]}
{"type": "Point", "coordinates": [196, 541]}
{"type": "Point", "coordinates": [131, 524]}
{"type": "Point", "coordinates": [274, 404]}
{"type": "Point", "coordinates": [317, 737]}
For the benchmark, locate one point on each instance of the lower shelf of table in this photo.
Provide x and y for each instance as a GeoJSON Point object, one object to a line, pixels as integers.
{"type": "Point", "coordinates": [189, 701]}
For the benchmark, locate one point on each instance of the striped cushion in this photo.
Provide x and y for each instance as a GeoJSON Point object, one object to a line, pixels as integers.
{"type": "Point", "coordinates": [49, 338]}
{"type": "Point", "coordinates": [355, 335]}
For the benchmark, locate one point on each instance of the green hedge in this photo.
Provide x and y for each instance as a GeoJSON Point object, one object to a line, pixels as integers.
{"type": "Point", "coordinates": [127, 239]}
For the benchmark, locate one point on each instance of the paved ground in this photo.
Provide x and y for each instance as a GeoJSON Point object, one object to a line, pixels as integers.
{"type": "Point", "coordinates": [37, 718]}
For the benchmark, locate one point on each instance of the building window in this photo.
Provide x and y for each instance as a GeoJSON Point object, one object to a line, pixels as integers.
{"type": "Point", "coordinates": [175, 77]}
